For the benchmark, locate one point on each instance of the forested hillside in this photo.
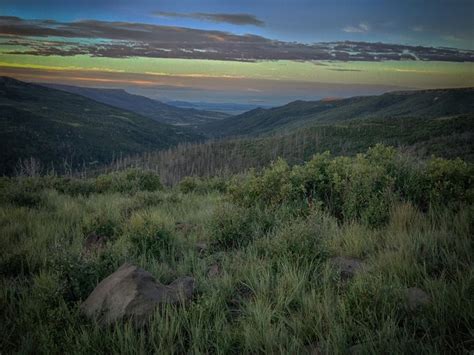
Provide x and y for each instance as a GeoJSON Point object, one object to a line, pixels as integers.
{"type": "Point", "coordinates": [61, 129]}
{"type": "Point", "coordinates": [426, 104]}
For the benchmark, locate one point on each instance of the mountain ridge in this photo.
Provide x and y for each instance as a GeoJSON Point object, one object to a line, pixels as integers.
{"type": "Point", "coordinates": [142, 105]}
{"type": "Point", "coordinates": [421, 103]}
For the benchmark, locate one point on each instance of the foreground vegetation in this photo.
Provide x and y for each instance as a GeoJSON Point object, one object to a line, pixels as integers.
{"type": "Point", "coordinates": [269, 240]}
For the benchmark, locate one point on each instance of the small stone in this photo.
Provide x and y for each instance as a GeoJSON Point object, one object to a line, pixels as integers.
{"type": "Point", "coordinates": [313, 349]}
{"type": "Point", "coordinates": [416, 298]}
{"type": "Point", "coordinates": [214, 271]}
{"type": "Point", "coordinates": [357, 349]}
{"type": "Point", "coordinates": [201, 247]}
{"type": "Point", "coordinates": [183, 287]}
{"type": "Point", "coordinates": [184, 227]}
{"type": "Point", "coordinates": [348, 267]}
{"type": "Point", "coordinates": [94, 242]}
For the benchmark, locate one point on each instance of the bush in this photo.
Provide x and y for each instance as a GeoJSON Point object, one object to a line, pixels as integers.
{"type": "Point", "coordinates": [366, 193]}
{"type": "Point", "coordinates": [360, 188]}
{"type": "Point", "coordinates": [300, 240]}
{"type": "Point", "coordinates": [75, 186]}
{"type": "Point", "coordinates": [202, 185]}
{"type": "Point", "coordinates": [271, 187]}
{"type": "Point", "coordinates": [231, 226]}
{"type": "Point", "coordinates": [103, 224]}
{"type": "Point", "coordinates": [149, 234]}
{"type": "Point", "coordinates": [148, 199]}
{"type": "Point", "coordinates": [22, 192]}
{"type": "Point", "coordinates": [78, 275]}
{"type": "Point", "coordinates": [450, 181]}
{"type": "Point", "coordinates": [235, 226]}
{"type": "Point", "coordinates": [128, 181]}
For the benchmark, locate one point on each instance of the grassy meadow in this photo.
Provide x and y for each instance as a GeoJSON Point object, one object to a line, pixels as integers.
{"type": "Point", "coordinates": [260, 247]}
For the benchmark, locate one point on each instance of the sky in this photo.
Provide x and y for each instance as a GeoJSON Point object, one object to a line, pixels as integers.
{"type": "Point", "coordinates": [260, 51]}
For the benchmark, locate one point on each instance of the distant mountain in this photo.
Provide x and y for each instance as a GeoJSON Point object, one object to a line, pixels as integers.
{"type": "Point", "coordinates": [227, 107]}
{"type": "Point", "coordinates": [425, 103]}
{"type": "Point", "coordinates": [56, 126]}
{"type": "Point", "coordinates": [144, 106]}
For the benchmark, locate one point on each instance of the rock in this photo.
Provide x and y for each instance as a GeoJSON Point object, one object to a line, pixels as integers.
{"type": "Point", "coordinates": [133, 293]}
{"type": "Point", "coordinates": [185, 228]}
{"type": "Point", "coordinates": [313, 349]}
{"type": "Point", "coordinates": [213, 271]}
{"type": "Point", "coordinates": [241, 295]}
{"type": "Point", "coordinates": [357, 349]}
{"type": "Point", "coordinates": [94, 242]}
{"type": "Point", "coordinates": [201, 247]}
{"type": "Point", "coordinates": [348, 267]}
{"type": "Point", "coordinates": [416, 298]}
{"type": "Point", "coordinates": [183, 288]}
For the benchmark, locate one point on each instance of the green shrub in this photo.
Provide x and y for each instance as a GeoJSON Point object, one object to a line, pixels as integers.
{"type": "Point", "coordinates": [188, 184]}
{"type": "Point", "coordinates": [148, 198]}
{"type": "Point", "coordinates": [232, 226]}
{"type": "Point", "coordinates": [301, 240]}
{"type": "Point", "coordinates": [235, 226]}
{"type": "Point", "coordinates": [270, 187]}
{"type": "Point", "coordinates": [75, 186]}
{"type": "Point", "coordinates": [22, 192]}
{"type": "Point", "coordinates": [360, 188]}
{"type": "Point", "coordinates": [103, 224]}
{"type": "Point", "coordinates": [128, 181]}
{"type": "Point", "coordinates": [202, 185]}
{"type": "Point", "coordinates": [450, 181]}
{"type": "Point", "coordinates": [313, 181]}
{"type": "Point", "coordinates": [79, 275]}
{"type": "Point", "coordinates": [366, 193]}
{"type": "Point", "coordinates": [149, 234]}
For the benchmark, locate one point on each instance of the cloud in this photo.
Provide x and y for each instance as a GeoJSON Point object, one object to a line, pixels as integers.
{"type": "Point", "coordinates": [362, 27]}
{"type": "Point", "coordinates": [80, 77]}
{"type": "Point", "coordinates": [418, 28]}
{"type": "Point", "coordinates": [127, 39]}
{"type": "Point", "coordinates": [235, 19]}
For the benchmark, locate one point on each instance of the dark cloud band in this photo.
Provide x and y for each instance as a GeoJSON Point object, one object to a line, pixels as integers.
{"type": "Point", "coordinates": [126, 39]}
{"type": "Point", "coordinates": [235, 19]}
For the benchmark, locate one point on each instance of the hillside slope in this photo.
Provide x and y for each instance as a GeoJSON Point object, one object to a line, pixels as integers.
{"type": "Point", "coordinates": [446, 137]}
{"type": "Point", "coordinates": [55, 126]}
{"type": "Point", "coordinates": [144, 106]}
{"type": "Point", "coordinates": [423, 104]}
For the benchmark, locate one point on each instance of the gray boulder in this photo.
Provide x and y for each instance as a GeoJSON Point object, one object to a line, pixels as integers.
{"type": "Point", "coordinates": [133, 293]}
